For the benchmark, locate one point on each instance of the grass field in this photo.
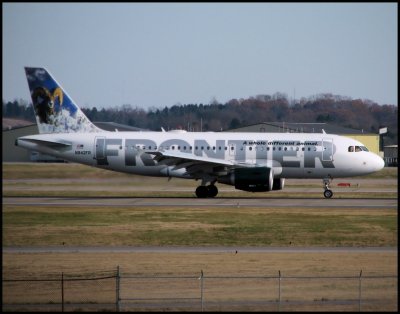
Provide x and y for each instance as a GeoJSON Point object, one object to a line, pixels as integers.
{"type": "Point", "coordinates": [198, 226]}
{"type": "Point", "coordinates": [75, 180]}
{"type": "Point", "coordinates": [204, 226]}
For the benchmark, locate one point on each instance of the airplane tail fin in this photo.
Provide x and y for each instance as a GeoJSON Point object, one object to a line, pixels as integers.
{"type": "Point", "coordinates": [55, 111]}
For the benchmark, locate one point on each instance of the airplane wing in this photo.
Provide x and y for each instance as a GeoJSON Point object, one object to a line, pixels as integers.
{"type": "Point", "coordinates": [194, 165]}
{"type": "Point", "coordinates": [178, 156]}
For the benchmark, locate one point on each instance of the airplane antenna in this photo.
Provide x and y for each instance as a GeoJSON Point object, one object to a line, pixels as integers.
{"type": "Point", "coordinates": [162, 129]}
{"type": "Point", "coordinates": [323, 131]}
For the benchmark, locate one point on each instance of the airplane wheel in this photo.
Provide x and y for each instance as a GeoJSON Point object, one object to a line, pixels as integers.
{"type": "Point", "coordinates": [212, 190]}
{"type": "Point", "coordinates": [328, 193]}
{"type": "Point", "coordinates": [202, 191]}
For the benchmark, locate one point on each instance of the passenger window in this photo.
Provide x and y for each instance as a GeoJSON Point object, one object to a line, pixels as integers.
{"type": "Point", "coordinates": [250, 148]}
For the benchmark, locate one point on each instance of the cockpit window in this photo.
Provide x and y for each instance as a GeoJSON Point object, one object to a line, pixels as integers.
{"type": "Point", "coordinates": [358, 149]}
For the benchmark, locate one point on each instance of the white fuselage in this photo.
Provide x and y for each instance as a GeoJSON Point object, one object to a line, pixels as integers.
{"type": "Point", "coordinates": [290, 155]}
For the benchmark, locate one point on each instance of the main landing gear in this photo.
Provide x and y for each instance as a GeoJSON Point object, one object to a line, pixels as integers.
{"type": "Point", "coordinates": [327, 191]}
{"type": "Point", "coordinates": [204, 191]}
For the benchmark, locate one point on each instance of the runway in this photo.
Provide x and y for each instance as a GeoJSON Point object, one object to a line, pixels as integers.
{"type": "Point", "coordinates": [192, 249]}
{"type": "Point", "coordinates": [362, 203]}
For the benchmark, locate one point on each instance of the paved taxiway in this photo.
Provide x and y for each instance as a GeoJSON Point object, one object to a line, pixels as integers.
{"type": "Point", "coordinates": [362, 203]}
{"type": "Point", "coordinates": [191, 249]}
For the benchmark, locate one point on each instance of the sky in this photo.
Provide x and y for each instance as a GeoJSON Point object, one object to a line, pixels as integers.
{"type": "Point", "coordinates": [152, 55]}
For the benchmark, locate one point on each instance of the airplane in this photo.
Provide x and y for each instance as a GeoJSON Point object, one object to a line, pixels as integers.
{"type": "Point", "coordinates": [254, 162]}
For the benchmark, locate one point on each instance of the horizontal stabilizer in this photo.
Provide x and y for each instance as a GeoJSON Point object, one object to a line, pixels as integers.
{"type": "Point", "coordinates": [48, 143]}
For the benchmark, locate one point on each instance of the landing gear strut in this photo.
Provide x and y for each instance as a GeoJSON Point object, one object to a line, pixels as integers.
{"type": "Point", "coordinates": [206, 191]}
{"type": "Point", "coordinates": [327, 191]}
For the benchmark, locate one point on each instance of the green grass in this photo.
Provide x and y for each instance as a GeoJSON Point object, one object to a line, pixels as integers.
{"type": "Point", "coordinates": [214, 226]}
{"type": "Point", "coordinates": [385, 173]}
{"type": "Point", "coordinates": [75, 180]}
{"type": "Point", "coordinates": [55, 171]}
{"type": "Point", "coordinates": [197, 226]}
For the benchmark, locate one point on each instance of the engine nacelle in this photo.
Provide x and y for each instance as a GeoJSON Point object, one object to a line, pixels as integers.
{"type": "Point", "coordinates": [260, 179]}
{"type": "Point", "coordinates": [279, 183]}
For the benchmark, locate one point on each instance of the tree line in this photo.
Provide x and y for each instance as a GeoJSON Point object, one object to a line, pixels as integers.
{"type": "Point", "coordinates": [333, 109]}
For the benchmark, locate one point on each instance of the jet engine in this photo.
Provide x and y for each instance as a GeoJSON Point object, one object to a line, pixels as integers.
{"type": "Point", "coordinates": [259, 179]}
{"type": "Point", "coordinates": [279, 183]}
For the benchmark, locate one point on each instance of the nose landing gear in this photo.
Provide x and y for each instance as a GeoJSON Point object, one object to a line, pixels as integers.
{"type": "Point", "coordinates": [327, 191]}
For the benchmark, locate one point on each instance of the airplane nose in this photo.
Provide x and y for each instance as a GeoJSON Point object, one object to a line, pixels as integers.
{"type": "Point", "coordinates": [376, 163]}
{"type": "Point", "coordinates": [380, 163]}
{"type": "Point", "coordinates": [373, 163]}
